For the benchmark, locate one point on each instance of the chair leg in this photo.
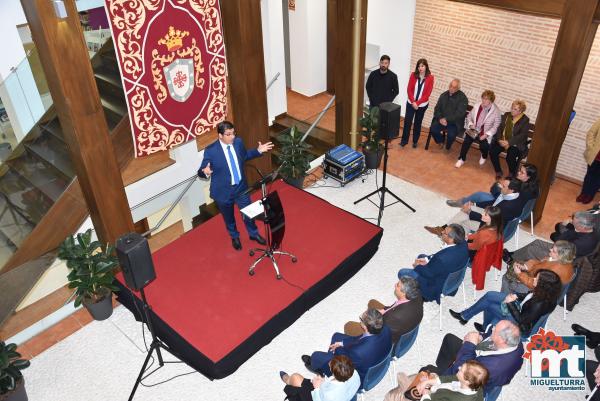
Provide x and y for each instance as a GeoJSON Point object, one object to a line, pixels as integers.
{"type": "Point", "coordinates": [441, 309]}
{"type": "Point", "coordinates": [496, 272]}
{"type": "Point", "coordinates": [464, 295]}
{"type": "Point", "coordinates": [393, 373]}
{"type": "Point", "coordinates": [419, 352]}
{"type": "Point", "coordinates": [428, 140]}
{"type": "Point", "coordinates": [531, 223]}
{"type": "Point", "coordinates": [474, 292]}
{"type": "Point", "coordinates": [517, 237]}
{"type": "Point", "coordinates": [565, 307]}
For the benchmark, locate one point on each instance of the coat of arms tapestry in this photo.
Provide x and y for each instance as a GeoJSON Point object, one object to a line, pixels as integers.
{"type": "Point", "coordinates": [172, 60]}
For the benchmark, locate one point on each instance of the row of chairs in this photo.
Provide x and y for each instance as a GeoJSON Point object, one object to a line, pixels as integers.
{"type": "Point", "coordinates": [455, 280]}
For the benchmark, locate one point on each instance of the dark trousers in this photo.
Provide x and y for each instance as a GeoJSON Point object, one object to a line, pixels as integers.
{"type": "Point", "coordinates": [591, 182]}
{"type": "Point", "coordinates": [226, 209]}
{"type": "Point", "coordinates": [436, 133]}
{"type": "Point", "coordinates": [451, 344]}
{"type": "Point", "coordinates": [513, 154]}
{"type": "Point", "coordinates": [408, 121]}
{"type": "Point", "coordinates": [484, 147]}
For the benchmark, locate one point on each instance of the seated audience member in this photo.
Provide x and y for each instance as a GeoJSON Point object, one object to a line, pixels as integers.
{"type": "Point", "coordinates": [591, 181]}
{"type": "Point", "coordinates": [530, 188]}
{"type": "Point", "coordinates": [500, 350]}
{"type": "Point", "coordinates": [524, 310]}
{"type": "Point", "coordinates": [467, 384]}
{"type": "Point", "coordinates": [449, 114]}
{"type": "Point", "coordinates": [482, 123]}
{"type": "Point", "coordinates": [489, 232]}
{"type": "Point", "coordinates": [342, 385]}
{"type": "Point", "coordinates": [559, 260]}
{"type": "Point", "coordinates": [470, 215]}
{"type": "Point", "coordinates": [511, 137]}
{"type": "Point", "coordinates": [365, 351]}
{"type": "Point", "coordinates": [587, 280]}
{"type": "Point", "coordinates": [592, 368]}
{"type": "Point", "coordinates": [431, 271]}
{"type": "Point", "coordinates": [402, 316]}
{"type": "Point", "coordinates": [579, 231]}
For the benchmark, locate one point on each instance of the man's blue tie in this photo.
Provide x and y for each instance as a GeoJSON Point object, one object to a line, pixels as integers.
{"type": "Point", "coordinates": [234, 168]}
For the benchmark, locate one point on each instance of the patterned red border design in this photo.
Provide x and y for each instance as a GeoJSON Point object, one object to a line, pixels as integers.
{"type": "Point", "coordinates": [171, 56]}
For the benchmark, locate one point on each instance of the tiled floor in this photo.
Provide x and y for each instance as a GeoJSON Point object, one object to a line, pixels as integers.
{"type": "Point", "coordinates": [433, 169]}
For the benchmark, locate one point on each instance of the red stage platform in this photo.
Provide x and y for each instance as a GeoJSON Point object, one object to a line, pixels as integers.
{"type": "Point", "coordinates": [215, 316]}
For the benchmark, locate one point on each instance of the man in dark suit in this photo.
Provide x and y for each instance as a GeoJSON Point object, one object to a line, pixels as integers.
{"type": "Point", "coordinates": [365, 351]}
{"type": "Point", "coordinates": [224, 163]}
{"type": "Point", "coordinates": [500, 350]}
{"type": "Point", "coordinates": [431, 271]}
{"type": "Point", "coordinates": [402, 316]}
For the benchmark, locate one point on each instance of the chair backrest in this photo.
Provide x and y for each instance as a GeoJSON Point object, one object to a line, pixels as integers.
{"type": "Point", "coordinates": [510, 229]}
{"type": "Point", "coordinates": [492, 393]}
{"type": "Point", "coordinates": [376, 373]}
{"type": "Point", "coordinates": [454, 280]}
{"type": "Point", "coordinates": [527, 209]}
{"type": "Point", "coordinates": [540, 323]}
{"type": "Point", "coordinates": [565, 288]}
{"type": "Point", "coordinates": [405, 342]}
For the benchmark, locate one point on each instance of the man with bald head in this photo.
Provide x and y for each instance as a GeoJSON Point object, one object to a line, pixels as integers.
{"type": "Point", "coordinates": [499, 349]}
{"type": "Point", "coordinates": [449, 114]}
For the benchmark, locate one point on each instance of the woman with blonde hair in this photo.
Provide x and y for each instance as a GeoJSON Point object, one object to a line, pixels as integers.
{"type": "Point", "coordinates": [511, 137]}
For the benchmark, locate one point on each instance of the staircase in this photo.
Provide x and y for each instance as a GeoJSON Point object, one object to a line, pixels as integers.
{"type": "Point", "coordinates": [40, 199]}
{"type": "Point", "coordinates": [319, 138]}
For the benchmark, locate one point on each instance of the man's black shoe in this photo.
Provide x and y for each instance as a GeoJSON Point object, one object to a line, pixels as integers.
{"type": "Point", "coordinates": [237, 244]}
{"type": "Point", "coordinates": [259, 239]}
{"type": "Point", "coordinates": [479, 327]}
{"type": "Point", "coordinates": [580, 330]}
{"type": "Point", "coordinates": [306, 360]}
{"type": "Point", "coordinates": [458, 317]}
{"type": "Point", "coordinates": [507, 256]}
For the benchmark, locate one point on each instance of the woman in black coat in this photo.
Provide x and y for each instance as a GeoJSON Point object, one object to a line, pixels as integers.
{"type": "Point", "coordinates": [525, 311]}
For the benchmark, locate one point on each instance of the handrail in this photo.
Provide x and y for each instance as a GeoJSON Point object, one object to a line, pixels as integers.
{"type": "Point", "coordinates": [319, 117]}
{"type": "Point", "coordinates": [272, 81]}
{"type": "Point", "coordinates": [168, 212]}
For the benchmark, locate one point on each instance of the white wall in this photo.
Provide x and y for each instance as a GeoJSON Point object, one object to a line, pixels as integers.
{"type": "Point", "coordinates": [390, 26]}
{"type": "Point", "coordinates": [272, 27]}
{"type": "Point", "coordinates": [308, 47]}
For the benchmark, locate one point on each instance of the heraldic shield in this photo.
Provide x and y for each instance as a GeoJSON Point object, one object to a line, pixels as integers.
{"type": "Point", "coordinates": [180, 78]}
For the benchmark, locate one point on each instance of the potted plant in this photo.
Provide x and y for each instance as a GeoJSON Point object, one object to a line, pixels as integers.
{"type": "Point", "coordinates": [91, 272]}
{"type": "Point", "coordinates": [12, 384]}
{"type": "Point", "coordinates": [294, 157]}
{"type": "Point", "coordinates": [371, 146]}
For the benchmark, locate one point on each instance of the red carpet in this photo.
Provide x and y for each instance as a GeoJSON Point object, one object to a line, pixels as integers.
{"type": "Point", "coordinates": [203, 292]}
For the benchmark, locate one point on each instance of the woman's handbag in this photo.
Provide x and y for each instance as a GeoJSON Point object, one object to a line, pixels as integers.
{"type": "Point", "coordinates": [412, 394]}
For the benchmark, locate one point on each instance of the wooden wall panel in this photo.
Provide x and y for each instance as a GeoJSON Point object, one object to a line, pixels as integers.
{"type": "Point", "coordinates": [246, 74]}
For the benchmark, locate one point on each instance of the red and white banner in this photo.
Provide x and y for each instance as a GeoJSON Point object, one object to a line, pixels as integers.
{"type": "Point", "coordinates": [172, 60]}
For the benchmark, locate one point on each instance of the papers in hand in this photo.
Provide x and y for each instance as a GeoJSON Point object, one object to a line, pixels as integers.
{"type": "Point", "coordinates": [254, 209]}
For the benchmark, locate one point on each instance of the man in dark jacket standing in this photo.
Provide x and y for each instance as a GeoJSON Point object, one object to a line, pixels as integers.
{"type": "Point", "coordinates": [382, 84]}
{"type": "Point", "coordinates": [449, 114]}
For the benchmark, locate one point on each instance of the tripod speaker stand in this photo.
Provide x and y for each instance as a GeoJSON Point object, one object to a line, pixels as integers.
{"type": "Point", "coordinates": [389, 127]}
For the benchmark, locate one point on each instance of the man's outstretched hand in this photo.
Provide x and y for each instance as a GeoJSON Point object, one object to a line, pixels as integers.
{"type": "Point", "coordinates": [265, 147]}
{"type": "Point", "coordinates": [207, 170]}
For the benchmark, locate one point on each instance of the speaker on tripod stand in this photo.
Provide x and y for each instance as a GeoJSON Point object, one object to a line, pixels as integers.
{"type": "Point", "coordinates": [389, 128]}
{"type": "Point", "coordinates": [138, 269]}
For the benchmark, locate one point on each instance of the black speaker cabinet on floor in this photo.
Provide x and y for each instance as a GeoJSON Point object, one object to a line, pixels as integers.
{"type": "Point", "coordinates": [136, 260]}
{"type": "Point", "coordinates": [389, 120]}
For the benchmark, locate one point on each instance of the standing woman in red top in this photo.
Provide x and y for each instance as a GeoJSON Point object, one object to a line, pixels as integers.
{"type": "Point", "coordinates": [420, 85]}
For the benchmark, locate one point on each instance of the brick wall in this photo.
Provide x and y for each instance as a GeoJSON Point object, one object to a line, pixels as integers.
{"type": "Point", "coordinates": [507, 52]}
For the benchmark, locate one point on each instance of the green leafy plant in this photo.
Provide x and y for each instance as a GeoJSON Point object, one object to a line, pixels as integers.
{"type": "Point", "coordinates": [294, 156]}
{"type": "Point", "coordinates": [370, 123]}
{"type": "Point", "coordinates": [91, 267]}
{"type": "Point", "coordinates": [11, 365]}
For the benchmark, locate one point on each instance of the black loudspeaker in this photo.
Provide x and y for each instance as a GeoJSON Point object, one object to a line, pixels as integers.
{"type": "Point", "coordinates": [136, 260]}
{"type": "Point", "coordinates": [389, 120]}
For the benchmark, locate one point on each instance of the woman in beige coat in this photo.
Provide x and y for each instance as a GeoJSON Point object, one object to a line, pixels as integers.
{"type": "Point", "coordinates": [591, 182]}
